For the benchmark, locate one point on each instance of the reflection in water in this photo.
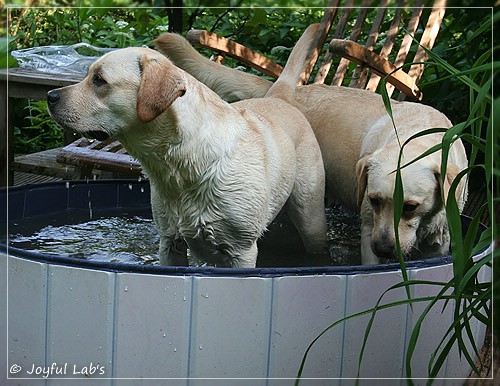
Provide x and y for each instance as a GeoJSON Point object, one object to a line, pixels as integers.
{"type": "Point", "coordinates": [132, 238]}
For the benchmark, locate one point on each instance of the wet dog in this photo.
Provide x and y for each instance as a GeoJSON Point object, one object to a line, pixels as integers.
{"type": "Point", "coordinates": [355, 133]}
{"type": "Point", "coordinates": [219, 172]}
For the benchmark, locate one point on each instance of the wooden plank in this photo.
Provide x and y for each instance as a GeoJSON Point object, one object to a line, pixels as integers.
{"type": "Point", "coordinates": [44, 163]}
{"type": "Point", "coordinates": [360, 74]}
{"type": "Point", "coordinates": [380, 66]}
{"type": "Point", "coordinates": [428, 39]}
{"type": "Point", "coordinates": [387, 47]}
{"type": "Point", "coordinates": [234, 50]}
{"type": "Point", "coordinates": [21, 178]}
{"type": "Point", "coordinates": [113, 146]}
{"type": "Point", "coordinates": [34, 77]}
{"type": "Point", "coordinates": [404, 49]}
{"type": "Point", "coordinates": [25, 83]}
{"type": "Point", "coordinates": [344, 62]}
{"type": "Point", "coordinates": [152, 326]}
{"type": "Point", "coordinates": [339, 32]}
{"type": "Point", "coordinates": [325, 25]}
{"type": "Point", "coordinates": [102, 160]}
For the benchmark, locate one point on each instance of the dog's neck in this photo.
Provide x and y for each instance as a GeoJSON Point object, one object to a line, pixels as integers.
{"type": "Point", "coordinates": [183, 143]}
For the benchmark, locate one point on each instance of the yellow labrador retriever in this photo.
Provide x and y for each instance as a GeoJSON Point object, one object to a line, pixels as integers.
{"type": "Point", "coordinates": [355, 133]}
{"type": "Point", "coordinates": [219, 172]}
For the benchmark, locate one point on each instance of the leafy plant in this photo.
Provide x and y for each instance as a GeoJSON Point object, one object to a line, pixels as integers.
{"type": "Point", "coordinates": [465, 292]}
{"type": "Point", "coordinates": [40, 132]}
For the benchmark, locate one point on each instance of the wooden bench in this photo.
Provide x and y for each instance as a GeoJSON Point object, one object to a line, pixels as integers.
{"type": "Point", "coordinates": [90, 156]}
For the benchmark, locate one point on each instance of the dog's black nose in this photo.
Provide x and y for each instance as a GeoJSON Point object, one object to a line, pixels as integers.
{"type": "Point", "coordinates": [384, 249]}
{"type": "Point", "coordinates": [53, 96]}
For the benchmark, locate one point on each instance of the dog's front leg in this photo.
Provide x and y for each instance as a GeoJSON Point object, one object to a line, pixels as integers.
{"type": "Point", "coordinates": [247, 258]}
{"type": "Point", "coordinates": [367, 255]}
{"type": "Point", "coordinates": [173, 251]}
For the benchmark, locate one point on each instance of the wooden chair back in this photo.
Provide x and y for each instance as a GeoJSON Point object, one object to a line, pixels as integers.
{"type": "Point", "coordinates": [359, 52]}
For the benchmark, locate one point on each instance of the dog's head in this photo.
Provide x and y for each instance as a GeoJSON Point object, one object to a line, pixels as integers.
{"type": "Point", "coordinates": [423, 227]}
{"type": "Point", "coordinates": [123, 89]}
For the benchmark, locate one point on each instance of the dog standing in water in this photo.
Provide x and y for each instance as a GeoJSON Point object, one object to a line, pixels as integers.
{"type": "Point", "coordinates": [219, 172]}
{"type": "Point", "coordinates": [360, 153]}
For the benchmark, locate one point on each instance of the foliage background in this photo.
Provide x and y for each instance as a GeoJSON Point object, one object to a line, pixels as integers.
{"type": "Point", "coordinates": [272, 31]}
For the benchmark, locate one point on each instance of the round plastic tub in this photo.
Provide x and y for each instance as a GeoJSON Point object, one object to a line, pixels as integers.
{"type": "Point", "coordinates": [72, 318]}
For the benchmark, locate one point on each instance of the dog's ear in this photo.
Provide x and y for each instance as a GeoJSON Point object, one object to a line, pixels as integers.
{"type": "Point", "coordinates": [362, 177]}
{"type": "Point", "coordinates": [160, 86]}
{"type": "Point", "coordinates": [451, 173]}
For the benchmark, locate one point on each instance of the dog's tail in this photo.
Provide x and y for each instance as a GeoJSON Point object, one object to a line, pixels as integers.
{"type": "Point", "coordinates": [284, 87]}
{"type": "Point", "coordinates": [231, 85]}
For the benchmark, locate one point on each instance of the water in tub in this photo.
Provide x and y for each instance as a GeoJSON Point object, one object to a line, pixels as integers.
{"type": "Point", "coordinates": [131, 237]}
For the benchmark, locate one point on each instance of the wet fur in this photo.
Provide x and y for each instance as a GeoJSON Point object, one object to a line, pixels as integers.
{"type": "Point", "coordinates": [219, 172]}
{"type": "Point", "coordinates": [359, 150]}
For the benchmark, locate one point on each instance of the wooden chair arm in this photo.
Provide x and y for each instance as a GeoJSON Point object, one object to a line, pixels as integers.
{"type": "Point", "coordinates": [344, 48]}
{"type": "Point", "coordinates": [237, 51]}
{"type": "Point", "coordinates": [377, 64]}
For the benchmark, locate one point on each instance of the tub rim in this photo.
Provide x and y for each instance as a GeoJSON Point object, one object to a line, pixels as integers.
{"type": "Point", "coordinates": [117, 267]}
{"type": "Point", "coordinates": [217, 271]}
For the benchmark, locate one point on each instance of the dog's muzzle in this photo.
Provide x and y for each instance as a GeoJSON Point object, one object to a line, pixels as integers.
{"type": "Point", "coordinates": [53, 98]}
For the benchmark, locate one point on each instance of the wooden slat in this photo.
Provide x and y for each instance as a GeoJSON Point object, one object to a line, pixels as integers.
{"type": "Point", "coordinates": [25, 83]}
{"type": "Point", "coordinates": [407, 40]}
{"type": "Point", "coordinates": [388, 45]}
{"type": "Point", "coordinates": [114, 146]}
{"type": "Point", "coordinates": [103, 160]}
{"type": "Point", "coordinates": [339, 32]}
{"type": "Point", "coordinates": [428, 38]}
{"type": "Point", "coordinates": [21, 178]}
{"type": "Point", "coordinates": [235, 50]}
{"type": "Point", "coordinates": [30, 76]}
{"type": "Point", "coordinates": [326, 24]}
{"type": "Point", "coordinates": [357, 53]}
{"type": "Point", "coordinates": [44, 163]}
{"type": "Point", "coordinates": [360, 73]}
{"type": "Point", "coordinates": [344, 62]}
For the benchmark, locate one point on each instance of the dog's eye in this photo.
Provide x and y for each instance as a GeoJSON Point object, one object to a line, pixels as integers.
{"type": "Point", "coordinates": [98, 80]}
{"type": "Point", "coordinates": [409, 208]}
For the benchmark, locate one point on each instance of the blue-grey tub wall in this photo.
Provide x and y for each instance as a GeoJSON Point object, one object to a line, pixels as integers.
{"type": "Point", "coordinates": [214, 324]}
{"type": "Point", "coordinates": [162, 326]}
